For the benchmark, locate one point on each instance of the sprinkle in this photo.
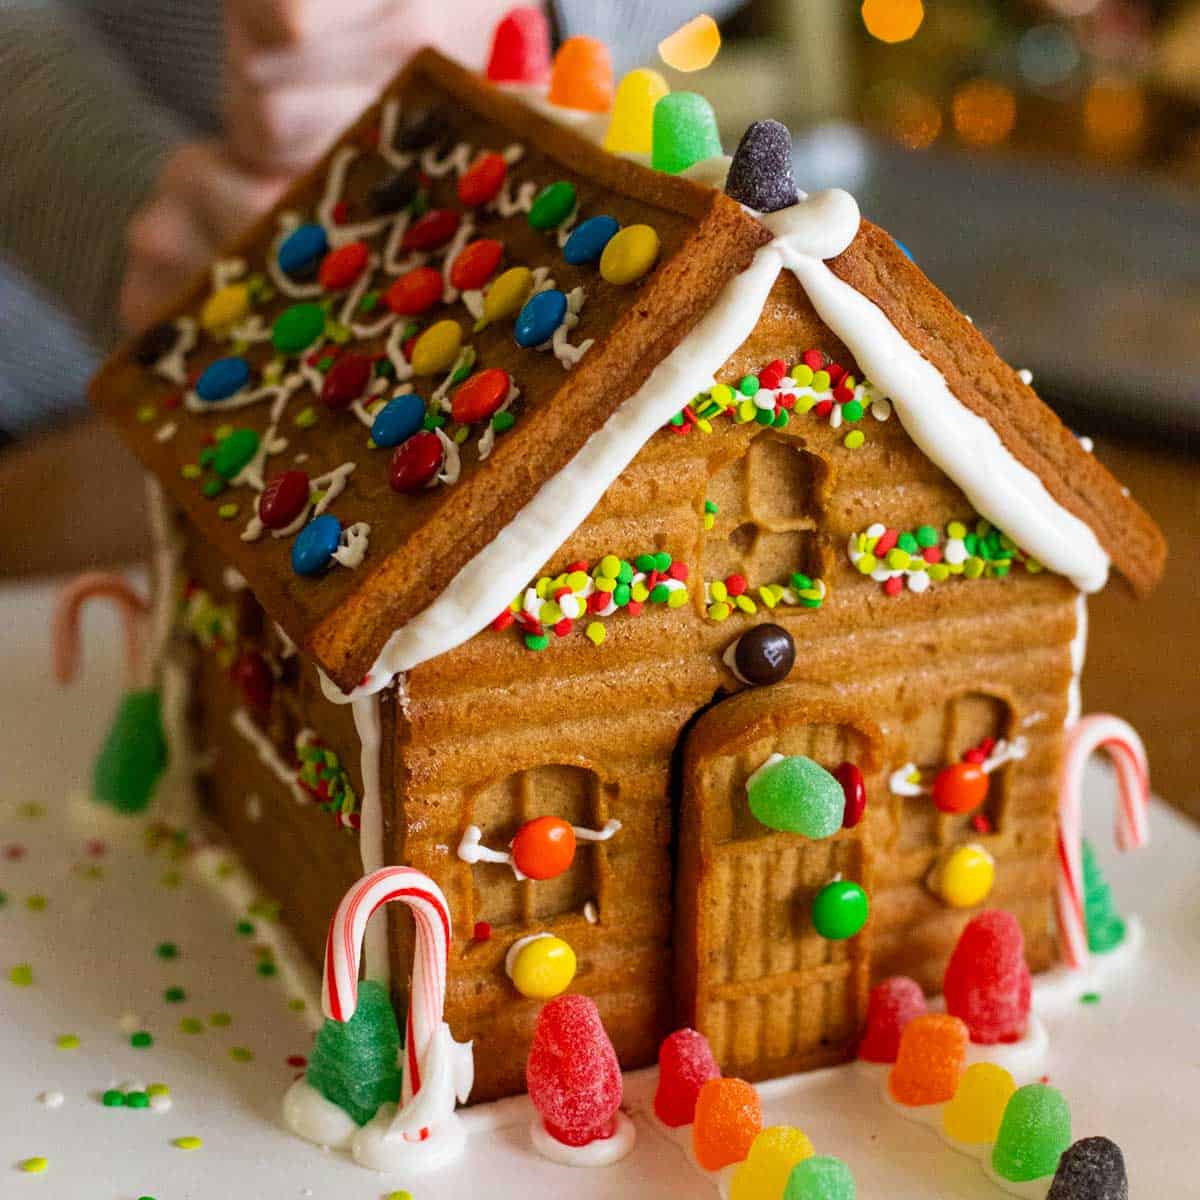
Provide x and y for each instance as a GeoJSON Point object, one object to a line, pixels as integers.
{"type": "Point", "coordinates": [52, 1099]}
{"type": "Point", "coordinates": [220, 1020]}
{"type": "Point", "coordinates": [141, 1040]}
{"type": "Point", "coordinates": [36, 903]}
{"type": "Point", "coordinates": [158, 1089]}
{"type": "Point", "coordinates": [595, 633]}
{"type": "Point", "coordinates": [245, 928]}
{"type": "Point", "coordinates": [174, 995]}
{"type": "Point", "coordinates": [306, 418]}
{"type": "Point", "coordinates": [146, 413]}
{"type": "Point", "coordinates": [400, 1195]}
{"type": "Point", "coordinates": [34, 1166]}
{"type": "Point", "coordinates": [190, 471]}
{"type": "Point", "coordinates": [241, 1054]}
{"type": "Point", "coordinates": [191, 1025]}
{"type": "Point", "coordinates": [137, 1100]}
{"type": "Point", "coordinates": [67, 1041]}
{"type": "Point", "coordinates": [167, 950]}
{"type": "Point", "coordinates": [297, 1005]}
{"type": "Point", "coordinates": [266, 969]}
{"type": "Point", "coordinates": [113, 1098]}
{"type": "Point", "coordinates": [187, 1143]}
{"type": "Point", "coordinates": [21, 975]}
{"type": "Point", "coordinates": [1090, 998]}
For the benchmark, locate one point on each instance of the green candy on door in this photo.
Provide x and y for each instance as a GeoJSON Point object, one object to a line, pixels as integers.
{"type": "Point", "coordinates": [793, 794]}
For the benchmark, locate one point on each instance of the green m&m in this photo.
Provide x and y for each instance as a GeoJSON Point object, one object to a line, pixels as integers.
{"type": "Point", "coordinates": [840, 909]}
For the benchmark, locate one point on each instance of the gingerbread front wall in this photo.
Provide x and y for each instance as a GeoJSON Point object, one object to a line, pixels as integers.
{"type": "Point", "coordinates": [493, 734]}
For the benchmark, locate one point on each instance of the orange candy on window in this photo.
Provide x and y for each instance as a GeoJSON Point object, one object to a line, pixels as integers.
{"type": "Point", "coordinates": [960, 787]}
{"type": "Point", "coordinates": [544, 847]}
{"type": "Point", "coordinates": [582, 75]}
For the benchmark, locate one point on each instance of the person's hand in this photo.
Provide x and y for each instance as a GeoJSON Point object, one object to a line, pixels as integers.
{"type": "Point", "coordinates": [203, 200]}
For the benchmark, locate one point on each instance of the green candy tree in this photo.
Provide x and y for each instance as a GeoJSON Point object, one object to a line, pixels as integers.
{"type": "Point", "coordinates": [355, 1064]}
{"type": "Point", "coordinates": [1105, 926]}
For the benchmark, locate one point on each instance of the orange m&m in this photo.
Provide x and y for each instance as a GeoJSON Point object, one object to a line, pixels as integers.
{"type": "Point", "coordinates": [544, 847]}
{"type": "Point", "coordinates": [960, 787]}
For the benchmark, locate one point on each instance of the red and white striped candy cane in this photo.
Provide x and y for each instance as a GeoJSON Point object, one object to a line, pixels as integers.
{"type": "Point", "coordinates": [343, 955]}
{"type": "Point", "coordinates": [132, 606]}
{"type": "Point", "coordinates": [1120, 740]}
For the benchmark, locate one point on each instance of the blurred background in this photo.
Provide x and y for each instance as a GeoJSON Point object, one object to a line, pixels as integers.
{"type": "Point", "coordinates": [1039, 158]}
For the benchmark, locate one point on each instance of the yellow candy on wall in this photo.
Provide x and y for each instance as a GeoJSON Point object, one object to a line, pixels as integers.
{"type": "Point", "coordinates": [437, 348]}
{"type": "Point", "coordinates": [974, 1115]}
{"type": "Point", "coordinates": [543, 968]}
{"type": "Point", "coordinates": [629, 254]}
{"type": "Point", "coordinates": [225, 306]}
{"type": "Point", "coordinates": [773, 1154]}
{"type": "Point", "coordinates": [507, 293]}
{"type": "Point", "coordinates": [965, 878]}
{"type": "Point", "coordinates": [631, 129]}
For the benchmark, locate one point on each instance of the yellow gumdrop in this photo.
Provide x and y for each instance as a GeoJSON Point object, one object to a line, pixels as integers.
{"type": "Point", "coordinates": [225, 306]}
{"type": "Point", "coordinates": [966, 877]}
{"type": "Point", "coordinates": [437, 348]}
{"type": "Point", "coordinates": [692, 46]}
{"type": "Point", "coordinates": [974, 1114]}
{"type": "Point", "coordinates": [773, 1154]}
{"type": "Point", "coordinates": [507, 293]}
{"type": "Point", "coordinates": [629, 254]}
{"type": "Point", "coordinates": [631, 129]}
{"type": "Point", "coordinates": [543, 968]}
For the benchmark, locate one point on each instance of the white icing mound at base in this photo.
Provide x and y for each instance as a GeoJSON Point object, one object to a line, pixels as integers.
{"type": "Point", "coordinates": [601, 1153]}
{"type": "Point", "coordinates": [1062, 986]}
{"type": "Point", "coordinates": [1030, 1189]}
{"type": "Point", "coordinates": [1018, 1058]}
{"type": "Point", "coordinates": [309, 1115]}
{"type": "Point", "coordinates": [378, 1146]}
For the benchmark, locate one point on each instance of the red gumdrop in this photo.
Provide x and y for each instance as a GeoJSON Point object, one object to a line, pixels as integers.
{"type": "Point", "coordinates": [572, 1073]}
{"type": "Point", "coordinates": [479, 396]}
{"type": "Point", "coordinates": [283, 499]}
{"type": "Point", "coordinates": [892, 1004]}
{"type": "Point", "coordinates": [987, 983]}
{"type": "Point", "coordinates": [254, 679]}
{"type": "Point", "coordinates": [685, 1065]}
{"type": "Point", "coordinates": [855, 791]}
{"type": "Point", "coordinates": [475, 263]}
{"type": "Point", "coordinates": [520, 47]}
{"type": "Point", "coordinates": [483, 179]}
{"type": "Point", "coordinates": [414, 292]}
{"type": "Point", "coordinates": [415, 462]}
{"type": "Point", "coordinates": [435, 228]}
{"type": "Point", "coordinates": [341, 267]}
{"type": "Point", "coordinates": [346, 381]}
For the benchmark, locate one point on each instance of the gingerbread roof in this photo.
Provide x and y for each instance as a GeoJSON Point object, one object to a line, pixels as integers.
{"type": "Point", "coordinates": [300, 366]}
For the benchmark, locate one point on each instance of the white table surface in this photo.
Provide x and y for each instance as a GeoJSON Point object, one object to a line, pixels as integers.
{"type": "Point", "coordinates": [1129, 1065]}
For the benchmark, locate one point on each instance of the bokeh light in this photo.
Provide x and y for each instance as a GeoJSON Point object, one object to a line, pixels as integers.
{"type": "Point", "coordinates": [893, 21]}
{"type": "Point", "coordinates": [915, 120]}
{"type": "Point", "coordinates": [1114, 115]}
{"type": "Point", "coordinates": [1047, 55]}
{"type": "Point", "coordinates": [984, 112]}
{"type": "Point", "coordinates": [1074, 8]}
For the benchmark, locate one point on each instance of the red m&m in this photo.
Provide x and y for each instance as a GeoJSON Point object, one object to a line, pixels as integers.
{"type": "Point", "coordinates": [475, 263]}
{"type": "Point", "coordinates": [283, 499]}
{"type": "Point", "coordinates": [480, 396]}
{"type": "Point", "coordinates": [432, 230]}
{"type": "Point", "coordinates": [960, 787]}
{"type": "Point", "coordinates": [415, 462]}
{"type": "Point", "coordinates": [343, 266]}
{"type": "Point", "coordinates": [544, 847]}
{"type": "Point", "coordinates": [254, 679]}
{"type": "Point", "coordinates": [415, 292]}
{"type": "Point", "coordinates": [347, 381]}
{"type": "Point", "coordinates": [851, 779]}
{"type": "Point", "coordinates": [483, 179]}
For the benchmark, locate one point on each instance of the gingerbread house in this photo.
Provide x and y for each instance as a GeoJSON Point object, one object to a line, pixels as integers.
{"type": "Point", "coordinates": [498, 477]}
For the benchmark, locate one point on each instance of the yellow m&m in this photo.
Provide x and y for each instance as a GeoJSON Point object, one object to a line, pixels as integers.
{"type": "Point", "coordinates": [225, 306]}
{"type": "Point", "coordinates": [437, 348]}
{"type": "Point", "coordinates": [507, 294]}
{"type": "Point", "coordinates": [965, 878]}
{"type": "Point", "coordinates": [629, 254]}
{"type": "Point", "coordinates": [543, 968]}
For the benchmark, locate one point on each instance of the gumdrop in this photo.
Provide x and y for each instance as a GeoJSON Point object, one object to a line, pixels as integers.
{"type": "Point", "coordinates": [631, 130]}
{"type": "Point", "coordinates": [520, 47]}
{"type": "Point", "coordinates": [572, 1074]}
{"type": "Point", "coordinates": [933, 1049]}
{"type": "Point", "coordinates": [974, 1115]}
{"type": "Point", "coordinates": [1035, 1131]}
{"type": "Point", "coordinates": [822, 1177]}
{"type": "Point", "coordinates": [760, 176]}
{"type": "Point", "coordinates": [685, 1065]}
{"type": "Point", "coordinates": [582, 75]}
{"type": "Point", "coordinates": [728, 1119]}
{"type": "Point", "coordinates": [773, 1154]}
{"type": "Point", "coordinates": [685, 132]}
{"type": "Point", "coordinates": [1092, 1169]}
{"type": "Point", "coordinates": [987, 981]}
{"type": "Point", "coordinates": [892, 1004]}
{"type": "Point", "coordinates": [693, 46]}
{"type": "Point", "coordinates": [796, 795]}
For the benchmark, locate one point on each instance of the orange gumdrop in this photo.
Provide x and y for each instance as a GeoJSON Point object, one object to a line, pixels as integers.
{"type": "Point", "coordinates": [728, 1119]}
{"type": "Point", "coordinates": [582, 75]}
{"type": "Point", "coordinates": [544, 847]}
{"type": "Point", "coordinates": [933, 1050]}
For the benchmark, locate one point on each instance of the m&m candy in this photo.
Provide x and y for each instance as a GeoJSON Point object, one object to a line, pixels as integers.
{"type": "Point", "coordinates": [552, 205]}
{"type": "Point", "coordinates": [224, 307]}
{"type": "Point", "coordinates": [520, 47]}
{"type": "Point", "coordinates": [764, 655]}
{"type": "Point", "coordinates": [507, 293]}
{"type": "Point", "coordinates": [395, 192]}
{"type": "Point", "coordinates": [415, 462]}
{"type": "Point", "coordinates": [475, 264]}
{"type": "Point", "coordinates": [437, 348]}
{"type": "Point", "coordinates": [398, 420]}
{"type": "Point", "coordinates": [221, 379]}
{"type": "Point", "coordinates": [302, 249]}
{"type": "Point", "coordinates": [283, 499]}
{"type": "Point", "coordinates": [234, 452]}
{"type": "Point", "coordinates": [839, 910]}
{"type": "Point", "coordinates": [297, 328]}
{"type": "Point", "coordinates": [475, 400]}
{"type": "Point", "coordinates": [483, 179]}
{"type": "Point", "coordinates": [252, 677]}
{"type": "Point", "coordinates": [540, 317]}
{"type": "Point", "coordinates": [855, 791]}
{"type": "Point", "coordinates": [544, 847]}
{"type": "Point", "coordinates": [581, 76]}
{"type": "Point", "coordinates": [422, 128]}
{"type": "Point", "coordinates": [966, 876]}
{"type": "Point", "coordinates": [960, 787]}
{"type": "Point", "coordinates": [588, 239]}
{"type": "Point", "coordinates": [431, 230]}
{"type": "Point", "coordinates": [312, 551]}
{"type": "Point", "coordinates": [346, 381]}
{"type": "Point", "coordinates": [343, 266]}
{"type": "Point", "coordinates": [629, 255]}
{"type": "Point", "coordinates": [631, 129]}
{"type": "Point", "coordinates": [543, 968]}
{"type": "Point", "coordinates": [415, 292]}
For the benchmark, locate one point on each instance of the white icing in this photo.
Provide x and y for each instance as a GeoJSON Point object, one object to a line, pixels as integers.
{"type": "Point", "coordinates": [370, 830]}
{"type": "Point", "coordinates": [510, 959]}
{"type": "Point", "coordinates": [233, 580]}
{"type": "Point", "coordinates": [309, 1115]}
{"type": "Point", "coordinates": [352, 545]}
{"type": "Point", "coordinates": [262, 745]}
{"type": "Point", "coordinates": [1078, 657]}
{"type": "Point", "coordinates": [601, 1153]}
{"type": "Point", "coordinates": [172, 366]}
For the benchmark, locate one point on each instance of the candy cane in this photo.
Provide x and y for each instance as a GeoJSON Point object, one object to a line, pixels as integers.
{"type": "Point", "coordinates": [1120, 740]}
{"type": "Point", "coordinates": [132, 606]}
{"type": "Point", "coordinates": [343, 955]}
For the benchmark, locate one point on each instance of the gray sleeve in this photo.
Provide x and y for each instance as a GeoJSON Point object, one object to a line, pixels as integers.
{"type": "Point", "coordinates": [80, 147]}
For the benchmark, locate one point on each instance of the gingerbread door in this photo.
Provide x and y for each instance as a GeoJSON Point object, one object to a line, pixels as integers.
{"type": "Point", "coordinates": [771, 995]}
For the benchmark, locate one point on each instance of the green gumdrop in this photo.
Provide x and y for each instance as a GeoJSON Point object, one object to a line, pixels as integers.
{"type": "Point", "coordinates": [685, 132]}
{"type": "Point", "coordinates": [797, 795]}
{"type": "Point", "coordinates": [1105, 926]}
{"type": "Point", "coordinates": [821, 1177]}
{"type": "Point", "coordinates": [355, 1064]}
{"type": "Point", "coordinates": [134, 754]}
{"type": "Point", "coordinates": [1034, 1132]}
{"type": "Point", "coordinates": [234, 452]}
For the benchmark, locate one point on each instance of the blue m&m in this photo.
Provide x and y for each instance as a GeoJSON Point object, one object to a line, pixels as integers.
{"type": "Point", "coordinates": [540, 317]}
{"type": "Point", "coordinates": [315, 543]}
{"type": "Point", "coordinates": [222, 378]}
{"type": "Point", "coordinates": [588, 240]}
{"type": "Point", "coordinates": [302, 249]}
{"type": "Point", "coordinates": [398, 420]}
